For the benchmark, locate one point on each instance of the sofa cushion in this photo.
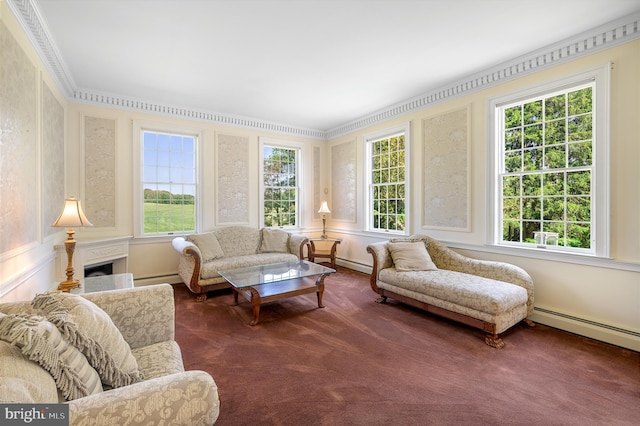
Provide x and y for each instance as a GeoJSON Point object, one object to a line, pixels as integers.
{"type": "Point", "coordinates": [471, 291]}
{"type": "Point", "coordinates": [238, 240]}
{"type": "Point", "coordinates": [43, 343]}
{"type": "Point", "coordinates": [274, 241]}
{"type": "Point", "coordinates": [22, 380]}
{"type": "Point", "coordinates": [208, 245]}
{"type": "Point", "coordinates": [159, 359]}
{"type": "Point", "coordinates": [210, 269]}
{"type": "Point", "coordinates": [92, 331]}
{"type": "Point", "coordinates": [410, 256]}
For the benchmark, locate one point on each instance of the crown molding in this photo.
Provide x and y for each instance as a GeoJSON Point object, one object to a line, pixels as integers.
{"type": "Point", "coordinates": [132, 104]}
{"type": "Point", "coordinates": [33, 25]}
{"type": "Point", "coordinates": [606, 36]}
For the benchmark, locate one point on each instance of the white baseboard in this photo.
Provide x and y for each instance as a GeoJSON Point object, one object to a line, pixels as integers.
{"type": "Point", "coordinates": [605, 333]}
{"type": "Point", "coordinates": [170, 279]}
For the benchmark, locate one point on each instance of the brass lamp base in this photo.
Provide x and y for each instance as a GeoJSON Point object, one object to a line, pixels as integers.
{"type": "Point", "coordinates": [65, 286]}
{"type": "Point", "coordinates": [69, 245]}
{"type": "Point", "coordinates": [324, 227]}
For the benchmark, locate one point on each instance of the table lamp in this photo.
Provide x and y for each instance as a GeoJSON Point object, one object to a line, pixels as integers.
{"type": "Point", "coordinates": [324, 209]}
{"type": "Point", "coordinates": [71, 215]}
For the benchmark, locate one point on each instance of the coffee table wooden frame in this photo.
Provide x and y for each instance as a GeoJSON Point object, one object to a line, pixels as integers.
{"type": "Point", "coordinates": [264, 293]}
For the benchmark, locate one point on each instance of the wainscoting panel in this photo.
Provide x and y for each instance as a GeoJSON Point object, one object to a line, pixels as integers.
{"type": "Point", "coordinates": [99, 201]}
{"type": "Point", "coordinates": [232, 204]}
{"type": "Point", "coordinates": [343, 181]}
{"type": "Point", "coordinates": [317, 197]}
{"type": "Point", "coordinates": [19, 207]}
{"type": "Point", "coordinates": [53, 160]}
{"type": "Point", "coordinates": [446, 147]}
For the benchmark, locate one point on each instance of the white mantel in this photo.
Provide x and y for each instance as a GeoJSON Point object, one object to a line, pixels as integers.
{"type": "Point", "coordinates": [95, 252]}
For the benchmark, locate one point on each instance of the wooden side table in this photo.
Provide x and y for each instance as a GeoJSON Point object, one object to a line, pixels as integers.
{"type": "Point", "coordinates": [323, 248]}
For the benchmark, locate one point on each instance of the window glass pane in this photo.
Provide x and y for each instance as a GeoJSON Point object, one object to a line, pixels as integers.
{"type": "Point", "coordinates": [387, 177]}
{"type": "Point", "coordinates": [540, 206]}
{"type": "Point", "coordinates": [169, 176]}
{"type": "Point", "coordinates": [279, 186]}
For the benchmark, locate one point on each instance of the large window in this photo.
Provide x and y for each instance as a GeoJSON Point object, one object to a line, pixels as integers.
{"type": "Point", "coordinates": [548, 187]}
{"type": "Point", "coordinates": [386, 179]}
{"type": "Point", "coordinates": [280, 184]}
{"type": "Point", "coordinates": [168, 183]}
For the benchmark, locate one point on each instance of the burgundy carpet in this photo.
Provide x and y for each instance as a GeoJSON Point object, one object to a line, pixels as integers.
{"type": "Point", "coordinates": [357, 362]}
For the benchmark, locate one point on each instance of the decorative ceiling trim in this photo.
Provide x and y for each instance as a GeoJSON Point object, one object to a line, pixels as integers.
{"type": "Point", "coordinates": [33, 25]}
{"type": "Point", "coordinates": [120, 102]}
{"type": "Point", "coordinates": [606, 36]}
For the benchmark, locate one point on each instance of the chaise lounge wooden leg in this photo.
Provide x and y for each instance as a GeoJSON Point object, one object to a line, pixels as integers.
{"type": "Point", "coordinates": [201, 297]}
{"type": "Point", "coordinates": [529, 322]}
{"type": "Point", "coordinates": [381, 299]}
{"type": "Point", "coordinates": [494, 341]}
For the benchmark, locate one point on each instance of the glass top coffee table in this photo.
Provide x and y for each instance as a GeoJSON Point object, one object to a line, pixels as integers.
{"type": "Point", "coordinates": [276, 281]}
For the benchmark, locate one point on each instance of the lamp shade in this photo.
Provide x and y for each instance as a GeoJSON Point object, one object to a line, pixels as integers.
{"type": "Point", "coordinates": [324, 208]}
{"type": "Point", "coordinates": [72, 215]}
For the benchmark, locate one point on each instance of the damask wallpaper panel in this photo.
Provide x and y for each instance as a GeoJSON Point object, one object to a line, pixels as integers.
{"type": "Point", "coordinates": [317, 198]}
{"type": "Point", "coordinates": [446, 170]}
{"type": "Point", "coordinates": [99, 201]}
{"type": "Point", "coordinates": [233, 180]}
{"type": "Point", "coordinates": [53, 159]}
{"type": "Point", "coordinates": [343, 182]}
{"type": "Point", "coordinates": [19, 202]}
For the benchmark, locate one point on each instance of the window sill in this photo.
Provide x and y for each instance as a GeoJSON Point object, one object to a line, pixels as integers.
{"type": "Point", "coordinates": [549, 255]}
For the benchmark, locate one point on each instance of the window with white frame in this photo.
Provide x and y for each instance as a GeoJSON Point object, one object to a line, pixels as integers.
{"type": "Point", "coordinates": [280, 183]}
{"type": "Point", "coordinates": [167, 197]}
{"type": "Point", "coordinates": [387, 205]}
{"type": "Point", "coordinates": [550, 180]}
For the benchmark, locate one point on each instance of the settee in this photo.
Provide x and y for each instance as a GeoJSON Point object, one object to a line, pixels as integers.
{"type": "Point", "coordinates": [422, 272]}
{"type": "Point", "coordinates": [111, 356]}
{"type": "Point", "coordinates": [203, 255]}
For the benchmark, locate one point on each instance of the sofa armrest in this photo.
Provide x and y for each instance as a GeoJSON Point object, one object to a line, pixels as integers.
{"type": "Point", "coordinates": [381, 260]}
{"type": "Point", "coordinates": [297, 243]}
{"type": "Point", "coordinates": [188, 398]}
{"type": "Point", "coordinates": [144, 315]}
{"type": "Point", "coordinates": [189, 263]}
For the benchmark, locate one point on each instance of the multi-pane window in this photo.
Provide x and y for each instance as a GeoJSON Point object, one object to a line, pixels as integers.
{"type": "Point", "coordinates": [168, 182]}
{"type": "Point", "coordinates": [547, 187]}
{"type": "Point", "coordinates": [386, 179]}
{"type": "Point", "coordinates": [280, 185]}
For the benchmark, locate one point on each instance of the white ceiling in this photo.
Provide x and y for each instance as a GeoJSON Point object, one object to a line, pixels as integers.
{"type": "Point", "coordinates": [310, 63]}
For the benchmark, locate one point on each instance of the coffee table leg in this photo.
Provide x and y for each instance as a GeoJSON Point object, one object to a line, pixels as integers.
{"type": "Point", "coordinates": [255, 305]}
{"type": "Point", "coordinates": [320, 290]}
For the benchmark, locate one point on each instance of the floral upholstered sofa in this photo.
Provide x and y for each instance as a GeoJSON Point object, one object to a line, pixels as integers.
{"type": "Point", "coordinates": [111, 356]}
{"type": "Point", "coordinates": [422, 272]}
{"type": "Point", "coordinates": [203, 255]}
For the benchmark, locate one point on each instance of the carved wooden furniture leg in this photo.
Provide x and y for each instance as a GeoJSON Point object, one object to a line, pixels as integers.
{"type": "Point", "coordinates": [255, 305]}
{"type": "Point", "coordinates": [529, 322]}
{"type": "Point", "coordinates": [381, 299]}
{"type": "Point", "coordinates": [494, 341]}
{"type": "Point", "coordinates": [201, 297]}
{"type": "Point", "coordinates": [320, 289]}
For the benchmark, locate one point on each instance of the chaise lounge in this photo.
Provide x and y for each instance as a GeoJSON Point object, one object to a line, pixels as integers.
{"type": "Point", "coordinates": [422, 272]}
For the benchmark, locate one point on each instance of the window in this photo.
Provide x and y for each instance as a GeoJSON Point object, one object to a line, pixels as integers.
{"type": "Point", "coordinates": [386, 170]}
{"type": "Point", "coordinates": [549, 190]}
{"type": "Point", "coordinates": [168, 192]}
{"type": "Point", "coordinates": [280, 183]}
